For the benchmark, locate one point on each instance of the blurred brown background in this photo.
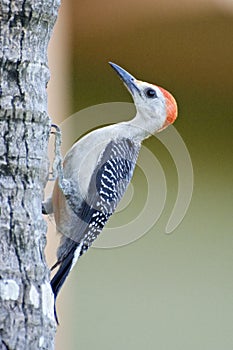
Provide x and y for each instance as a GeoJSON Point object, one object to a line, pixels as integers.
{"type": "Point", "coordinates": [160, 292]}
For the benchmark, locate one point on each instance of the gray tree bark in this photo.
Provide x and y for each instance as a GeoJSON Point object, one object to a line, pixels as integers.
{"type": "Point", "coordinates": [26, 299]}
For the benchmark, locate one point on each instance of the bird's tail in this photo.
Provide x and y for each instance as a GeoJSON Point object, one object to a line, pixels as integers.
{"type": "Point", "coordinates": [62, 273]}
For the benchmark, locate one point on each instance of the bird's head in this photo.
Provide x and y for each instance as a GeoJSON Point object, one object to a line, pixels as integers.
{"type": "Point", "coordinates": [155, 105]}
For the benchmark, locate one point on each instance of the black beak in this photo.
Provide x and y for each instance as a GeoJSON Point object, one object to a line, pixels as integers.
{"type": "Point", "coordinates": [127, 78]}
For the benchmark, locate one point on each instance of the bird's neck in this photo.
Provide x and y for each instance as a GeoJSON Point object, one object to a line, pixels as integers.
{"type": "Point", "coordinates": [140, 128]}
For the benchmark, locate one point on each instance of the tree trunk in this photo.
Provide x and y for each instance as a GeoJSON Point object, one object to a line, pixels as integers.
{"type": "Point", "coordinates": [26, 300]}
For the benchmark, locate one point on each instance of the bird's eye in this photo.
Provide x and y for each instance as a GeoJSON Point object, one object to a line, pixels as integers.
{"type": "Point", "coordinates": [150, 93]}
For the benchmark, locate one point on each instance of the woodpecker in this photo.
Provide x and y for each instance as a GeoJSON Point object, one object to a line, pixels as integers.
{"type": "Point", "coordinates": [97, 170]}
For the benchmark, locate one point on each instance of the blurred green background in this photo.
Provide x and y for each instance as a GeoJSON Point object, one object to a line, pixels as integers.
{"type": "Point", "coordinates": [162, 291]}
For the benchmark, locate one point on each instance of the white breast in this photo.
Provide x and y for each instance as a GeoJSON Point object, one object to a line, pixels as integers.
{"type": "Point", "coordinates": [82, 158]}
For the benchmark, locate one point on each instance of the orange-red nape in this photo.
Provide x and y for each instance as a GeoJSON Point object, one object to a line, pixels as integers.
{"type": "Point", "coordinates": [171, 107]}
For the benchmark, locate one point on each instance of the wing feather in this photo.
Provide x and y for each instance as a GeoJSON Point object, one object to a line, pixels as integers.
{"type": "Point", "coordinates": [107, 186]}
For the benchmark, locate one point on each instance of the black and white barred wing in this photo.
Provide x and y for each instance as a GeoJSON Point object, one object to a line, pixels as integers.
{"type": "Point", "coordinates": [107, 186]}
